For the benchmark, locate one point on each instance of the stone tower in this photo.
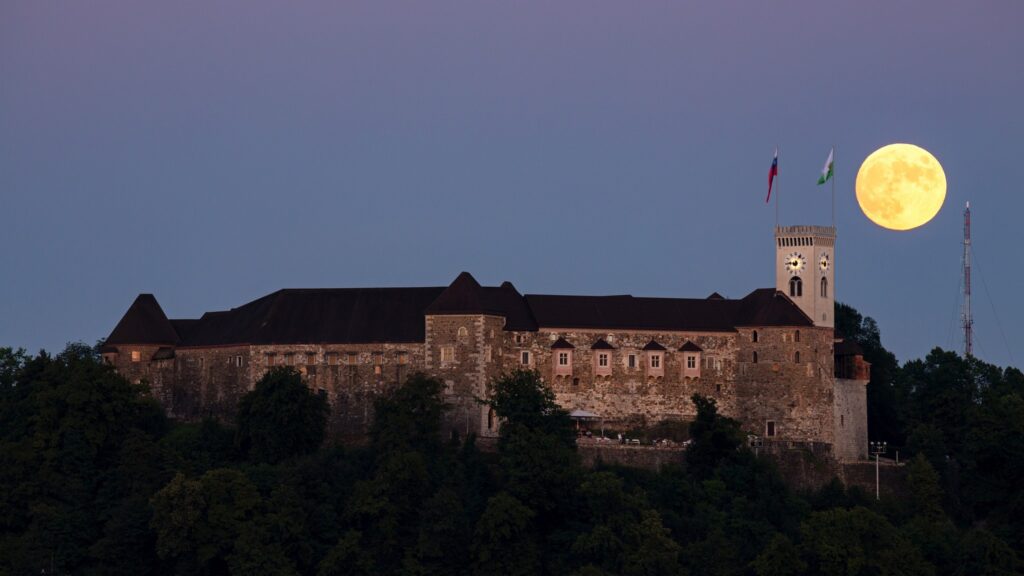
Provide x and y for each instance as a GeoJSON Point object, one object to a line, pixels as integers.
{"type": "Point", "coordinates": [805, 269]}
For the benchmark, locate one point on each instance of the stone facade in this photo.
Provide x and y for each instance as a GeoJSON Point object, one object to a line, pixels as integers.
{"type": "Point", "coordinates": [630, 361]}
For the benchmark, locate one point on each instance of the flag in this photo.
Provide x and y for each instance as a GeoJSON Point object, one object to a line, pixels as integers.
{"type": "Point", "coordinates": [772, 173]}
{"type": "Point", "coordinates": [826, 172]}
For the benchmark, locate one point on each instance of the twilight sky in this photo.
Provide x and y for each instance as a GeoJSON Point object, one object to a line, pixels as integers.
{"type": "Point", "coordinates": [213, 152]}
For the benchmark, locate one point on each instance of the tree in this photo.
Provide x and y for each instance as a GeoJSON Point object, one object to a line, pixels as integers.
{"type": "Point", "coordinates": [280, 418]}
{"type": "Point", "coordinates": [858, 542]}
{"type": "Point", "coordinates": [714, 438]}
{"type": "Point", "coordinates": [779, 558]}
{"type": "Point", "coordinates": [409, 417]}
{"type": "Point", "coordinates": [537, 444]}
{"type": "Point", "coordinates": [503, 542]}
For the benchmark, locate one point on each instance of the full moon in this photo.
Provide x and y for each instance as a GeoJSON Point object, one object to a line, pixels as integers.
{"type": "Point", "coordinates": [900, 186]}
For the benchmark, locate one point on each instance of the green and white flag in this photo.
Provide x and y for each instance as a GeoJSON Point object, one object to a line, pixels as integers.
{"type": "Point", "coordinates": [826, 172]}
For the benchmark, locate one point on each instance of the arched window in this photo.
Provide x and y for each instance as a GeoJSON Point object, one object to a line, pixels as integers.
{"type": "Point", "coordinates": [753, 337]}
{"type": "Point", "coordinates": [755, 357]}
{"type": "Point", "coordinates": [824, 287]}
{"type": "Point", "coordinates": [796, 287]}
{"type": "Point", "coordinates": [796, 336]}
{"type": "Point", "coordinates": [490, 419]}
{"type": "Point", "coordinates": [463, 332]}
{"type": "Point", "coordinates": [796, 357]}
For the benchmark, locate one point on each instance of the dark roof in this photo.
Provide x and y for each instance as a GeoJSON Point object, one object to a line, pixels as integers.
{"type": "Point", "coordinates": [562, 343]}
{"type": "Point", "coordinates": [716, 296]}
{"type": "Point", "coordinates": [602, 345]}
{"type": "Point", "coordinates": [143, 323]}
{"type": "Point", "coordinates": [466, 296]}
{"type": "Point", "coordinates": [769, 307]}
{"type": "Point", "coordinates": [369, 315]}
{"type": "Point", "coordinates": [652, 345]}
{"type": "Point", "coordinates": [848, 348]}
{"type": "Point", "coordinates": [690, 347]}
{"type": "Point", "coordinates": [336, 315]}
{"type": "Point", "coordinates": [163, 353]}
{"type": "Point", "coordinates": [763, 307]}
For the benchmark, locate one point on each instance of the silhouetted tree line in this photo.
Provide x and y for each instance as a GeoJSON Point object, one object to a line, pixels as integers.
{"type": "Point", "coordinates": [95, 480]}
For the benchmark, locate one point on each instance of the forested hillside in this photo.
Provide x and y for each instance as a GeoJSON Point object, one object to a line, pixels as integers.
{"type": "Point", "coordinates": [95, 480]}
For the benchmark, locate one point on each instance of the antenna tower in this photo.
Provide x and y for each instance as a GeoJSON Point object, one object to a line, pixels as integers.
{"type": "Point", "coordinates": [968, 321]}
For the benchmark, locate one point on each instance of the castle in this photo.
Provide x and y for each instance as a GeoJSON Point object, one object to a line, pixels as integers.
{"type": "Point", "coordinates": [769, 359]}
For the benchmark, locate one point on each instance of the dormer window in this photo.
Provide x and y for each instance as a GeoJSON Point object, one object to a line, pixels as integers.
{"type": "Point", "coordinates": [655, 359]}
{"type": "Point", "coordinates": [602, 357]}
{"type": "Point", "coordinates": [562, 353]}
{"type": "Point", "coordinates": [691, 359]}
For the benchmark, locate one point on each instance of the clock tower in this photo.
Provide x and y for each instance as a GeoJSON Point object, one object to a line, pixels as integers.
{"type": "Point", "coordinates": [805, 269]}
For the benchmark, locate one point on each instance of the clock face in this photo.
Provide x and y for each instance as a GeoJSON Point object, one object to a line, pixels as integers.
{"type": "Point", "coordinates": [795, 263]}
{"type": "Point", "coordinates": [824, 263]}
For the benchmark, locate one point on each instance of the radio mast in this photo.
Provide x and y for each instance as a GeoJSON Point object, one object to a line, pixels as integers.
{"type": "Point", "coordinates": [968, 321]}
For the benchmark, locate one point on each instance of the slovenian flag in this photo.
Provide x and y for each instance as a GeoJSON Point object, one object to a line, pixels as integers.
{"type": "Point", "coordinates": [772, 173]}
{"type": "Point", "coordinates": [826, 172]}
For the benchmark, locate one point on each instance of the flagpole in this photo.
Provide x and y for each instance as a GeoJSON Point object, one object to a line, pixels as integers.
{"type": "Point", "coordinates": [776, 188]}
{"type": "Point", "coordinates": [833, 186]}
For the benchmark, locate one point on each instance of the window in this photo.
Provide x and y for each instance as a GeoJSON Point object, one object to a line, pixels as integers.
{"type": "Point", "coordinates": [631, 361]}
{"type": "Point", "coordinates": [351, 358]}
{"type": "Point", "coordinates": [796, 336]}
{"type": "Point", "coordinates": [270, 359]}
{"type": "Point", "coordinates": [519, 338]}
{"type": "Point", "coordinates": [378, 358]}
{"type": "Point", "coordinates": [655, 360]}
{"type": "Point", "coordinates": [490, 419]}
{"type": "Point", "coordinates": [447, 354]}
{"type": "Point", "coordinates": [563, 358]}
{"type": "Point", "coordinates": [753, 337]}
{"type": "Point", "coordinates": [824, 287]}
{"type": "Point", "coordinates": [842, 420]}
{"type": "Point", "coordinates": [487, 353]}
{"type": "Point", "coordinates": [796, 287]}
{"type": "Point", "coordinates": [691, 362]}
{"type": "Point", "coordinates": [575, 381]}
{"type": "Point", "coordinates": [332, 358]}
{"type": "Point", "coordinates": [524, 358]}
{"type": "Point", "coordinates": [755, 357]}
{"type": "Point", "coordinates": [769, 428]}
{"type": "Point", "coordinates": [238, 361]}
{"type": "Point", "coordinates": [602, 359]}
{"type": "Point", "coordinates": [289, 359]}
{"type": "Point", "coordinates": [463, 332]}
{"type": "Point", "coordinates": [718, 387]}
{"type": "Point", "coordinates": [136, 355]}
{"type": "Point", "coordinates": [310, 358]}
{"type": "Point", "coordinates": [796, 357]}
{"type": "Point", "coordinates": [403, 358]}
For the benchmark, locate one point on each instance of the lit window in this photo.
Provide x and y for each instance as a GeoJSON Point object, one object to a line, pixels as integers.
{"type": "Point", "coordinates": [524, 358]}
{"type": "Point", "coordinates": [796, 287]}
{"type": "Point", "coordinates": [447, 354]}
{"type": "Point", "coordinates": [563, 358]}
{"type": "Point", "coordinates": [332, 358]}
{"type": "Point", "coordinates": [403, 358]}
{"type": "Point", "coordinates": [136, 356]}
{"type": "Point", "coordinates": [602, 360]}
{"type": "Point", "coordinates": [463, 332]}
{"type": "Point", "coordinates": [352, 358]}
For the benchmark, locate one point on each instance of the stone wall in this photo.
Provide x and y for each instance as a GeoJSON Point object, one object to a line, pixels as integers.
{"type": "Point", "coordinates": [851, 419]}
{"type": "Point", "coordinates": [629, 395]}
{"type": "Point", "coordinates": [796, 394]}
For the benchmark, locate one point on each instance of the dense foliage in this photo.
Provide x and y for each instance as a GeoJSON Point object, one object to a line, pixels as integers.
{"type": "Point", "coordinates": [95, 480]}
